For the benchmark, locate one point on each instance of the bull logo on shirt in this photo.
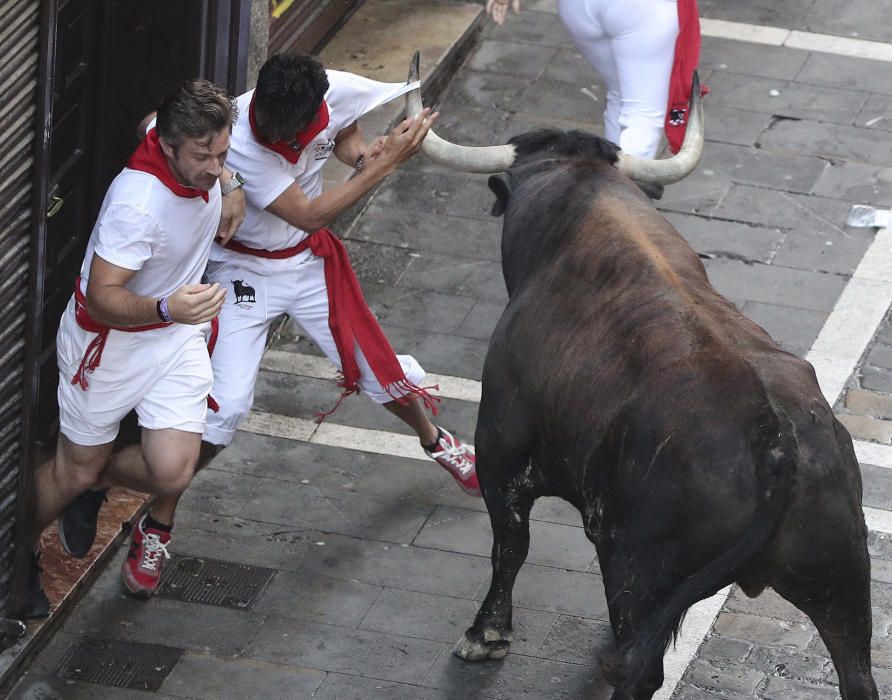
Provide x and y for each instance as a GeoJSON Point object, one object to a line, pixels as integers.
{"type": "Point", "coordinates": [243, 292]}
{"type": "Point", "coordinates": [323, 149]}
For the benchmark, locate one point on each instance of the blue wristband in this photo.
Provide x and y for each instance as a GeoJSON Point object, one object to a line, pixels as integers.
{"type": "Point", "coordinates": [163, 310]}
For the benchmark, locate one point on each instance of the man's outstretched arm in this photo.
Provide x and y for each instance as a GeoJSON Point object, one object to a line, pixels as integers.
{"type": "Point", "coordinates": [312, 214]}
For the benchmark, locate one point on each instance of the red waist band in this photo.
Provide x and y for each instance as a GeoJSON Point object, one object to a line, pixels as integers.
{"type": "Point", "coordinates": [93, 353]}
{"type": "Point", "coordinates": [280, 254]}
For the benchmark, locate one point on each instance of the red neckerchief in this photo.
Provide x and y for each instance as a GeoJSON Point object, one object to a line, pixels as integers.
{"type": "Point", "coordinates": [687, 54]}
{"type": "Point", "coordinates": [149, 158]}
{"type": "Point", "coordinates": [291, 150]}
{"type": "Point", "coordinates": [350, 320]}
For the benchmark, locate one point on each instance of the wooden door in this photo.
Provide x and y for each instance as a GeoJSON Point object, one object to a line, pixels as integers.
{"type": "Point", "coordinates": [71, 199]}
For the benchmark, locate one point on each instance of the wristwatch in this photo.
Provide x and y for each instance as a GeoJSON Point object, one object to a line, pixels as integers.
{"type": "Point", "coordinates": [235, 181]}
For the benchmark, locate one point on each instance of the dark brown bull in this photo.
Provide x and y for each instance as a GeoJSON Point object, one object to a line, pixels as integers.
{"type": "Point", "coordinates": [698, 452]}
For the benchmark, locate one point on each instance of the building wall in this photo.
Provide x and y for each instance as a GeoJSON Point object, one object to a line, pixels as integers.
{"type": "Point", "coordinates": [19, 32]}
{"type": "Point", "coordinates": [259, 40]}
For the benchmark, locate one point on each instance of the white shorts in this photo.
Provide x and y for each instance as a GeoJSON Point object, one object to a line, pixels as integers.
{"type": "Point", "coordinates": [631, 43]}
{"type": "Point", "coordinates": [255, 297]}
{"type": "Point", "coordinates": [165, 374]}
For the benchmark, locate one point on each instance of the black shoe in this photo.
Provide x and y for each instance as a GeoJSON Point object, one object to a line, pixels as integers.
{"type": "Point", "coordinates": [37, 605]}
{"type": "Point", "coordinates": [77, 525]}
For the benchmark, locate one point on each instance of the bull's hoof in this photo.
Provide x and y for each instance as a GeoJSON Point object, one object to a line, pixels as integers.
{"type": "Point", "coordinates": [491, 644]}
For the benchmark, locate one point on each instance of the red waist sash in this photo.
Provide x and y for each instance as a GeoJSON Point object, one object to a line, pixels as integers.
{"type": "Point", "coordinates": [93, 353]}
{"type": "Point", "coordinates": [350, 320]}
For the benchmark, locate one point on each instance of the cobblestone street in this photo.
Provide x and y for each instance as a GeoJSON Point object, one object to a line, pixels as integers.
{"type": "Point", "coordinates": [378, 561]}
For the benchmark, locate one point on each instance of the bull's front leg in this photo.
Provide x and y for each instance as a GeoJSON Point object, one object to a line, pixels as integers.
{"type": "Point", "coordinates": [509, 512]}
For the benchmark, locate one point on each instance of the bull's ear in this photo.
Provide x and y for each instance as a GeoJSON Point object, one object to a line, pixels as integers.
{"type": "Point", "coordinates": [502, 191]}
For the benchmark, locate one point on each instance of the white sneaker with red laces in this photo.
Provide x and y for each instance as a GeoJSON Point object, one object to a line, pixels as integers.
{"type": "Point", "coordinates": [458, 459]}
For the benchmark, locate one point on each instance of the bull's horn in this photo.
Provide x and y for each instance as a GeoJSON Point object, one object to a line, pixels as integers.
{"type": "Point", "coordinates": [669, 170]}
{"type": "Point", "coordinates": [469, 159]}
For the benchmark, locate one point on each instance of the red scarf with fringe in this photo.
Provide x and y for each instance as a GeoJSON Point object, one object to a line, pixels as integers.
{"type": "Point", "coordinates": [291, 150]}
{"type": "Point", "coordinates": [350, 320]}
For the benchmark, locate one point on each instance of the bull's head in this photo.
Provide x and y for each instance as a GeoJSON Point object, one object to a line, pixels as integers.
{"type": "Point", "coordinates": [495, 159]}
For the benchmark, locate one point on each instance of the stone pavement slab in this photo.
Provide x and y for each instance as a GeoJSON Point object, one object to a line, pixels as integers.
{"type": "Point", "coordinates": [238, 678]}
{"type": "Point", "coordinates": [876, 113]}
{"type": "Point", "coordinates": [330, 648]}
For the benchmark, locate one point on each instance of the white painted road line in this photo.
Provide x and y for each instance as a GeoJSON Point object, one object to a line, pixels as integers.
{"type": "Point", "coordinates": [678, 657]}
{"type": "Point", "coordinates": [878, 520]}
{"type": "Point", "coordinates": [333, 435]}
{"type": "Point", "coordinates": [873, 453]}
{"type": "Point", "coordinates": [854, 319]}
{"type": "Point", "coordinates": [794, 39]}
{"type": "Point", "coordinates": [739, 31]}
{"type": "Point", "coordinates": [321, 368]}
{"type": "Point", "coordinates": [377, 441]}
{"type": "Point", "coordinates": [840, 45]}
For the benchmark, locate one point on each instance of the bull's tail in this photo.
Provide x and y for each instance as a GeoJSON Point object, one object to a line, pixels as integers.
{"type": "Point", "coordinates": [775, 456]}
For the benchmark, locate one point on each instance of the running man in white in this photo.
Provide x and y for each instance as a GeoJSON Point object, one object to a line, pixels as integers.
{"type": "Point", "coordinates": [283, 259]}
{"type": "Point", "coordinates": [134, 333]}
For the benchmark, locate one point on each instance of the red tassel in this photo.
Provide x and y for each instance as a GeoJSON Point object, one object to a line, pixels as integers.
{"type": "Point", "coordinates": [212, 338]}
{"type": "Point", "coordinates": [322, 415]}
{"type": "Point", "coordinates": [399, 390]}
{"type": "Point", "coordinates": [91, 359]}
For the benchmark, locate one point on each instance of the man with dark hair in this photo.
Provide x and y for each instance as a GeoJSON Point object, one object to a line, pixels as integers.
{"type": "Point", "coordinates": [284, 259]}
{"type": "Point", "coordinates": [298, 116]}
{"type": "Point", "coordinates": [134, 333]}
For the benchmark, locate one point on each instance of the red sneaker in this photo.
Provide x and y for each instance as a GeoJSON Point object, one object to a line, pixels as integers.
{"type": "Point", "coordinates": [145, 561]}
{"type": "Point", "coordinates": [458, 459]}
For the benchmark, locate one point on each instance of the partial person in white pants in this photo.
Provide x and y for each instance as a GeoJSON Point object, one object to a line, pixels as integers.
{"type": "Point", "coordinates": [632, 44]}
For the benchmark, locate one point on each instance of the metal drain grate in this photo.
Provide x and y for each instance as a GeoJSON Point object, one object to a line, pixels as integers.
{"type": "Point", "coordinates": [223, 583]}
{"type": "Point", "coordinates": [120, 664]}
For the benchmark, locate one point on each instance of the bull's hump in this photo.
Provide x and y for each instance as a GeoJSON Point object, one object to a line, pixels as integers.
{"type": "Point", "coordinates": [663, 266]}
{"type": "Point", "coordinates": [655, 239]}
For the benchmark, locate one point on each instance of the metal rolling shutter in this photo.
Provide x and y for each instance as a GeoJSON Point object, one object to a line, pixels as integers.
{"type": "Point", "coordinates": [19, 34]}
{"type": "Point", "coordinates": [299, 25]}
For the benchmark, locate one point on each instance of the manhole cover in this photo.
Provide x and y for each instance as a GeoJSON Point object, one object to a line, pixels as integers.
{"type": "Point", "coordinates": [121, 664]}
{"type": "Point", "coordinates": [222, 583]}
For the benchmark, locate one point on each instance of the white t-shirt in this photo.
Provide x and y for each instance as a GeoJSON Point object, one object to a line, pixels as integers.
{"type": "Point", "coordinates": [267, 174]}
{"type": "Point", "coordinates": [144, 226]}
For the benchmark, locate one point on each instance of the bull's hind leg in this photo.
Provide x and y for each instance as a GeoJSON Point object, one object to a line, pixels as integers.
{"type": "Point", "coordinates": [503, 468]}
{"type": "Point", "coordinates": [634, 600]}
{"type": "Point", "coordinates": [830, 583]}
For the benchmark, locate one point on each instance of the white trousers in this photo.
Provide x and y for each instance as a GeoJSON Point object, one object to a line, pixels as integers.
{"type": "Point", "coordinates": [631, 43]}
{"type": "Point", "coordinates": [260, 297]}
